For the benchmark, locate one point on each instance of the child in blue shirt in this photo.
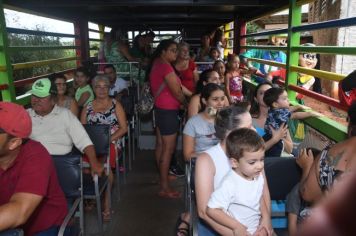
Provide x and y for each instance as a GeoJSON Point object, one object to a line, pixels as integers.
{"type": "Point", "coordinates": [278, 114]}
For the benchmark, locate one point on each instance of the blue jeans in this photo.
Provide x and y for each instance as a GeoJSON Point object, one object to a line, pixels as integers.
{"type": "Point", "coordinates": [276, 149]}
{"type": "Point", "coordinates": [53, 231]}
{"type": "Point", "coordinates": [205, 230]}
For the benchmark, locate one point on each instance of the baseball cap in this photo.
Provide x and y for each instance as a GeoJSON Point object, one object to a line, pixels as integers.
{"type": "Point", "coordinates": [15, 120]}
{"type": "Point", "coordinates": [41, 88]}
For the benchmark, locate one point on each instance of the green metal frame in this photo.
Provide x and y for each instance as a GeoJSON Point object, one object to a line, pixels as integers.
{"type": "Point", "coordinates": [326, 126]}
{"type": "Point", "coordinates": [101, 32]}
{"type": "Point", "coordinates": [37, 48]}
{"type": "Point", "coordinates": [7, 83]}
{"type": "Point", "coordinates": [6, 78]}
{"type": "Point", "coordinates": [326, 50]}
{"type": "Point", "coordinates": [270, 48]}
{"type": "Point", "coordinates": [330, 128]}
{"type": "Point", "coordinates": [295, 19]}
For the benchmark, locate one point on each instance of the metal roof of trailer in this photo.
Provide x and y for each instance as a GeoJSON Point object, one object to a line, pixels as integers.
{"type": "Point", "coordinates": [153, 14]}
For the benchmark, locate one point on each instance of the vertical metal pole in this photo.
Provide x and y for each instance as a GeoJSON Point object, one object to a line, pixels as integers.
{"type": "Point", "coordinates": [131, 143]}
{"type": "Point", "coordinates": [243, 31]}
{"type": "Point", "coordinates": [130, 63]}
{"type": "Point", "coordinates": [6, 78]}
{"type": "Point", "coordinates": [295, 19]}
{"type": "Point", "coordinates": [124, 158]}
{"type": "Point", "coordinates": [239, 30]}
{"type": "Point", "coordinates": [77, 42]}
{"type": "Point", "coordinates": [133, 139]}
{"type": "Point", "coordinates": [102, 32]}
{"type": "Point", "coordinates": [129, 134]}
{"type": "Point", "coordinates": [81, 31]}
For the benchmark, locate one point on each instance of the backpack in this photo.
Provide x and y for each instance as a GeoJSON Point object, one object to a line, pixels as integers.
{"type": "Point", "coordinates": [146, 101]}
{"type": "Point", "coordinates": [347, 89]}
{"type": "Point", "coordinates": [127, 102]}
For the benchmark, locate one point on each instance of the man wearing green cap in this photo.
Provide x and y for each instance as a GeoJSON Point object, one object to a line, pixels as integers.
{"type": "Point", "coordinates": [56, 127]}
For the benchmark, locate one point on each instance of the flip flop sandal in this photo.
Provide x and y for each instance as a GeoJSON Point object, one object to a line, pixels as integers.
{"type": "Point", "coordinates": [184, 232]}
{"type": "Point", "coordinates": [107, 216]}
{"type": "Point", "coordinates": [89, 205]}
{"type": "Point", "coordinates": [179, 230]}
{"type": "Point", "coordinates": [170, 194]}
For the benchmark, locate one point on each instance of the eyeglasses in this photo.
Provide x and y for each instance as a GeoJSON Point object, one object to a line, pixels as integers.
{"type": "Point", "coordinates": [101, 87]}
{"type": "Point", "coordinates": [309, 56]}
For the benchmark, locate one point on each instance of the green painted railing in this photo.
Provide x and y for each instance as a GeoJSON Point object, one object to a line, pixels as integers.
{"type": "Point", "coordinates": [326, 50]}
{"type": "Point", "coordinates": [324, 125]}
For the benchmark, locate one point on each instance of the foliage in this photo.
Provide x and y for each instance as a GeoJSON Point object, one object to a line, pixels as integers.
{"type": "Point", "coordinates": [94, 48]}
{"type": "Point", "coordinates": [38, 55]}
{"type": "Point", "coordinates": [251, 28]}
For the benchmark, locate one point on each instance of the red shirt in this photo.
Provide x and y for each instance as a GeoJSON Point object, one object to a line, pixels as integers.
{"type": "Point", "coordinates": [281, 73]}
{"type": "Point", "coordinates": [33, 172]}
{"type": "Point", "coordinates": [187, 76]}
{"type": "Point", "coordinates": [165, 100]}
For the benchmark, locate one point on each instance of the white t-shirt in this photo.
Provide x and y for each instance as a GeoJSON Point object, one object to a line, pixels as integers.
{"type": "Point", "coordinates": [240, 198]}
{"type": "Point", "coordinates": [221, 163]}
{"type": "Point", "coordinates": [219, 46]}
{"type": "Point", "coordinates": [202, 131]}
{"type": "Point", "coordinates": [120, 84]}
{"type": "Point", "coordinates": [58, 131]}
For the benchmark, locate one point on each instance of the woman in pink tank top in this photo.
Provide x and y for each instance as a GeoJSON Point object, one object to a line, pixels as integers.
{"type": "Point", "coordinates": [167, 90]}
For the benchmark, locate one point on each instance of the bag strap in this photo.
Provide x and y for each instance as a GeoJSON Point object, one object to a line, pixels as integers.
{"type": "Point", "coordinates": [160, 89]}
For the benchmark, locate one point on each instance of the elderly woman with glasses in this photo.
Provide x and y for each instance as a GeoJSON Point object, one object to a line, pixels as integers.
{"type": "Point", "coordinates": [106, 110]}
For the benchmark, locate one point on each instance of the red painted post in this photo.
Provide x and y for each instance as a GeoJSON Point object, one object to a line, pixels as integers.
{"type": "Point", "coordinates": [317, 96]}
{"type": "Point", "coordinates": [239, 30]}
{"type": "Point", "coordinates": [81, 30]}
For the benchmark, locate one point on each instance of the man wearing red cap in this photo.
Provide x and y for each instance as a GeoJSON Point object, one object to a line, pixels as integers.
{"type": "Point", "coordinates": [30, 195]}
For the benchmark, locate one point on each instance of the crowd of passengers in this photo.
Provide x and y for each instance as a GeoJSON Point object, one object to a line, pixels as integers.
{"type": "Point", "coordinates": [229, 134]}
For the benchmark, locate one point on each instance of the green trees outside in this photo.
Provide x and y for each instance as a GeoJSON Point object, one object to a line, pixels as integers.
{"type": "Point", "coordinates": [251, 28]}
{"type": "Point", "coordinates": [21, 56]}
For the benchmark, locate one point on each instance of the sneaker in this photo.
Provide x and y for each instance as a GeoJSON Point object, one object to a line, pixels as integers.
{"type": "Point", "coordinates": [176, 171]}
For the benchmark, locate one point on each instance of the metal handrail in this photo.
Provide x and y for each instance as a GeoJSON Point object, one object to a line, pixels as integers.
{"type": "Point", "coordinates": [265, 33]}
{"type": "Point", "coordinates": [318, 73]}
{"type": "Point", "coordinates": [320, 97]}
{"type": "Point", "coordinates": [270, 48]}
{"type": "Point", "coordinates": [96, 31]}
{"type": "Point", "coordinates": [37, 48]}
{"type": "Point", "coordinates": [31, 64]}
{"type": "Point", "coordinates": [326, 50]}
{"type": "Point", "coordinates": [40, 33]}
{"type": "Point", "coordinates": [326, 24]}
{"type": "Point", "coordinates": [22, 82]}
{"type": "Point", "coordinates": [3, 86]}
{"type": "Point", "coordinates": [268, 62]}
{"type": "Point", "coordinates": [96, 40]}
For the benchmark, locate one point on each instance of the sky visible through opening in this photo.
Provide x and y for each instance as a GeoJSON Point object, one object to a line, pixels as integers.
{"type": "Point", "coordinates": [21, 20]}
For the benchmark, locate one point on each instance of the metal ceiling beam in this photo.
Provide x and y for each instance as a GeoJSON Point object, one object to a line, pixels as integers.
{"type": "Point", "coordinates": [178, 23]}
{"type": "Point", "coordinates": [167, 15]}
{"type": "Point", "coordinates": [112, 3]}
{"type": "Point", "coordinates": [152, 13]}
